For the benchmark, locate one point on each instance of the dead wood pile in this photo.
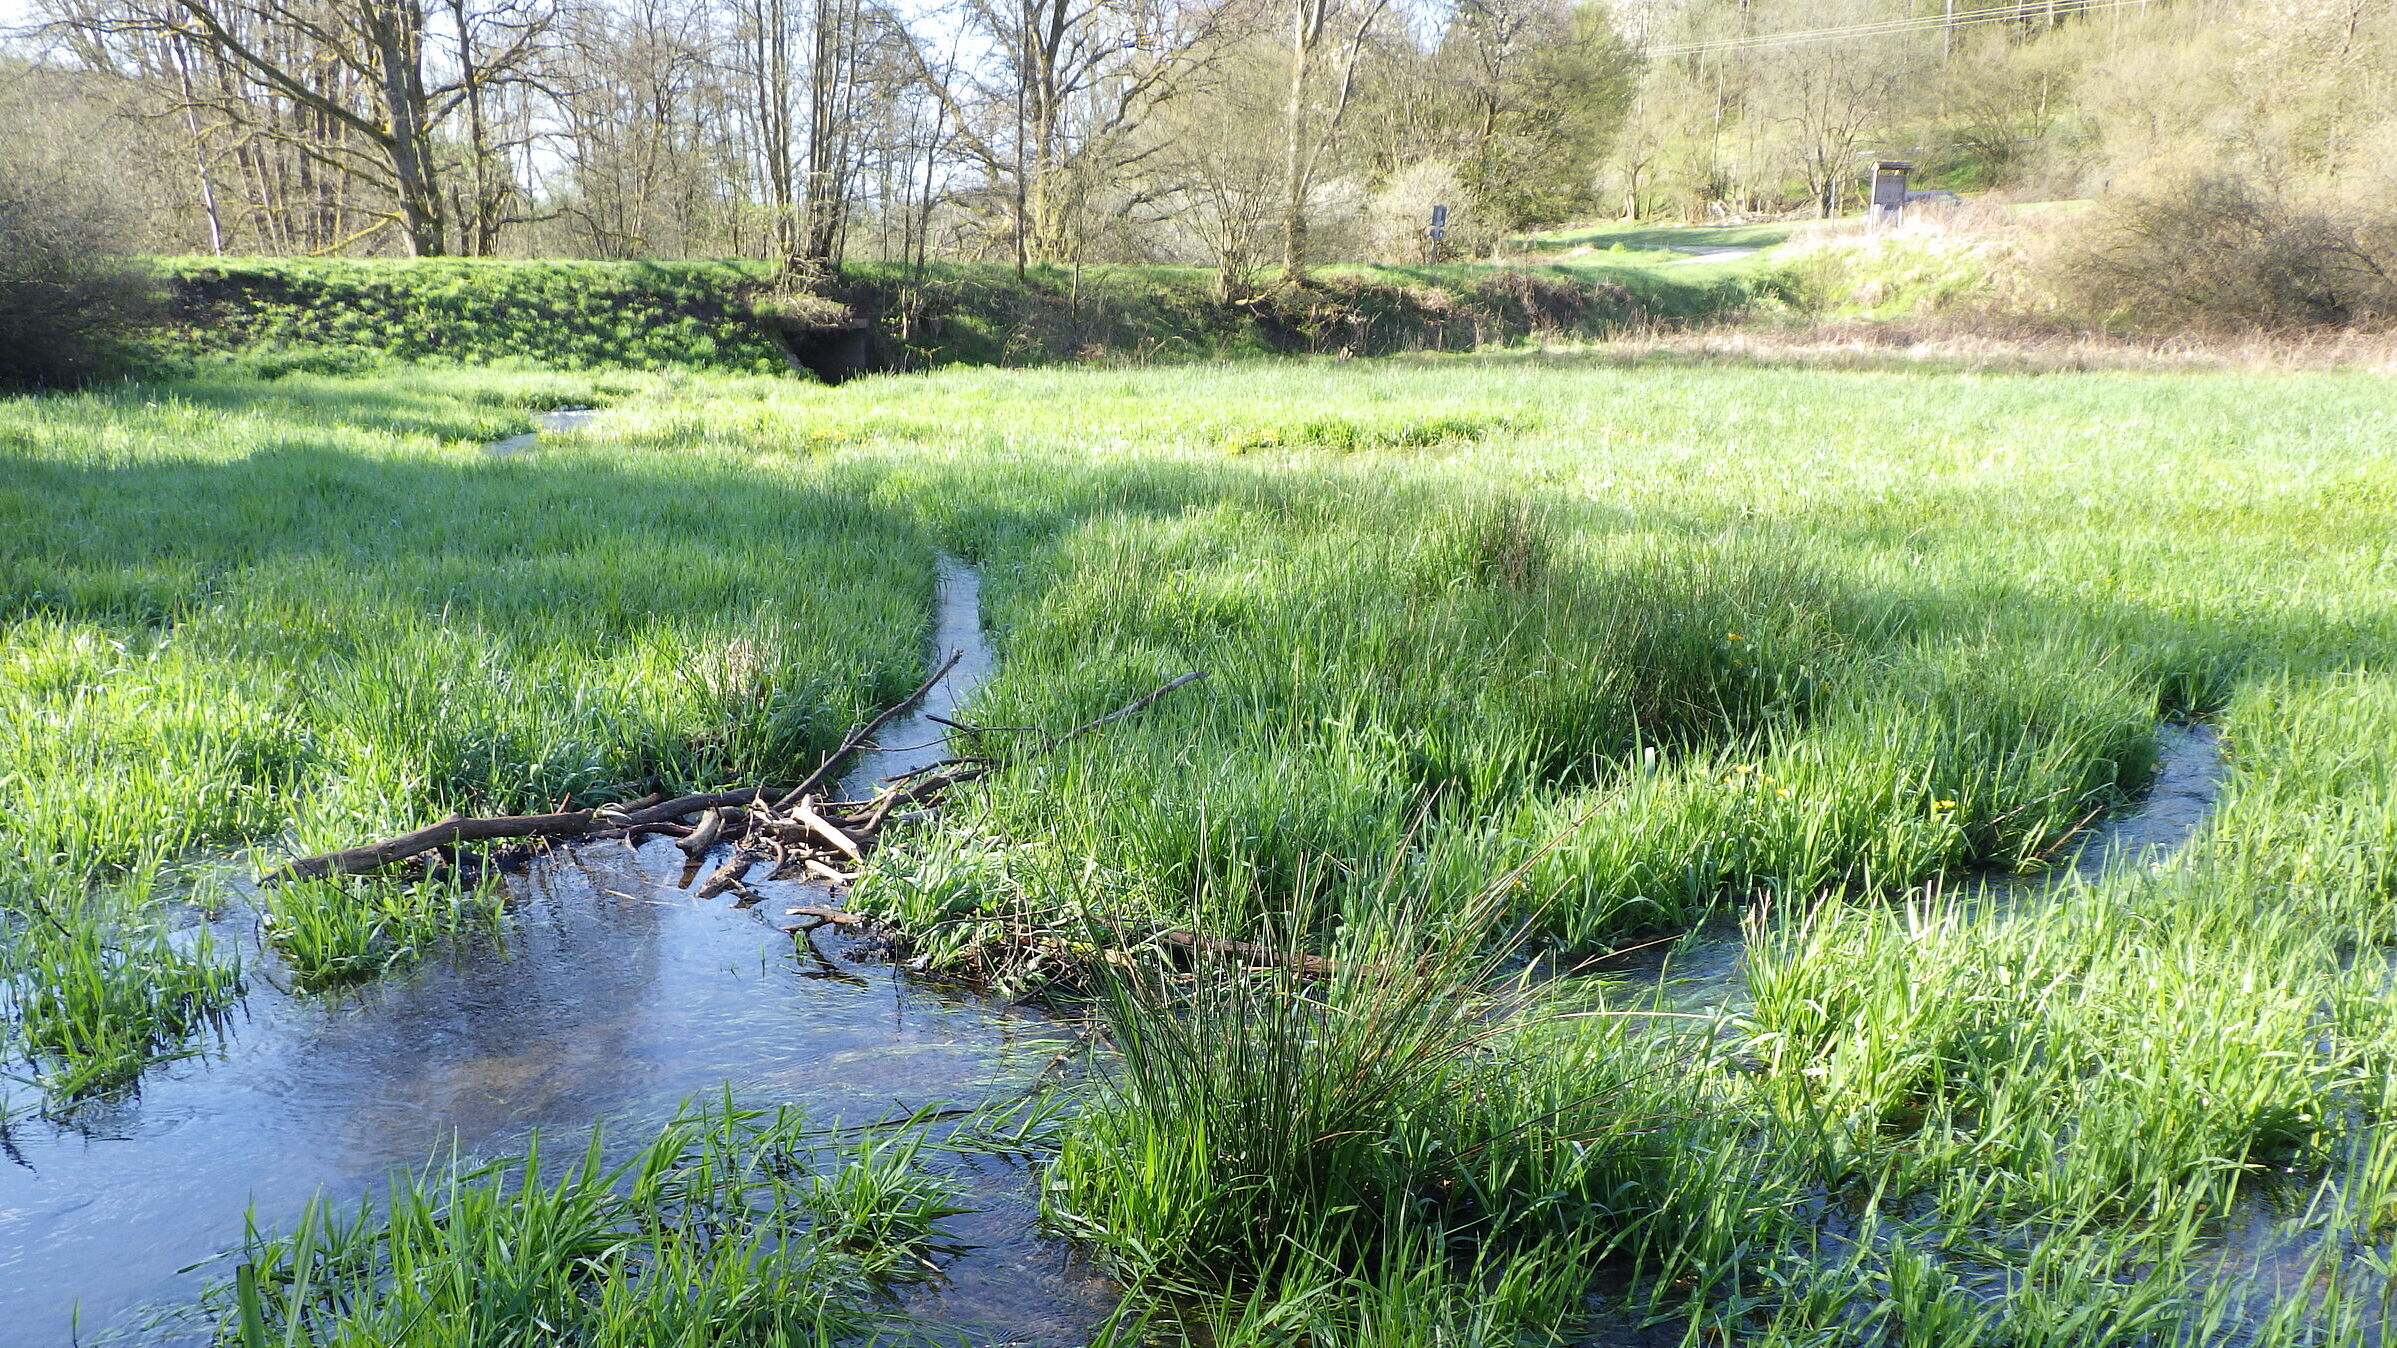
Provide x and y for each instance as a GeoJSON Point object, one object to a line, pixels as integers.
{"type": "Point", "coordinates": [801, 830]}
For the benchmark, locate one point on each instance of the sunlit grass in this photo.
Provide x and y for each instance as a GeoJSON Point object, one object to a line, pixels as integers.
{"type": "Point", "coordinates": [289, 616]}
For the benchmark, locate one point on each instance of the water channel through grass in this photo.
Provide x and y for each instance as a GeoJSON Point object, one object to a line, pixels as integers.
{"type": "Point", "coordinates": [1701, 971]}
{"type": "Point", "coordinates": [2024, 1041]}
{"type": "Point", "coordinates": [610, 995]}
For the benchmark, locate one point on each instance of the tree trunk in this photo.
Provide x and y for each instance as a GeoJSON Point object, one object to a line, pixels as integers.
{"type": "Point", "coordinates": [1303, 38]}
{"type": "Point", "coordinates": [398, 48]}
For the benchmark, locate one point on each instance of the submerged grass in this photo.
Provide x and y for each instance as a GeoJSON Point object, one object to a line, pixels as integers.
{"type": "Point", "coordinates": [732, 1226]}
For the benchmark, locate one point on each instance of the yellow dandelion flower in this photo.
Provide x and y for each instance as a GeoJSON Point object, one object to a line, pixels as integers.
{"type": "Point", "coordinates": [1745, 767]}
{"type": "Point", "coordinates": [1943, 805]}
{"type": "Point", "coordinates": [1782, 792]}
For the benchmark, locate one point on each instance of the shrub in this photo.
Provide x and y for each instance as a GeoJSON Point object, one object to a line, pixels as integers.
{"type": "Point", "coordinates": [2203, 248]}
{"type": "Point", "coordinates": [1398, 215]}
{"type": "Point", "coordinates": [66, 304]}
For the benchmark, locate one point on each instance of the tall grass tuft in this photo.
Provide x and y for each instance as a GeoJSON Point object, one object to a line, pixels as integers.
{"type": "Point", "coordinates": [1373, 1143]}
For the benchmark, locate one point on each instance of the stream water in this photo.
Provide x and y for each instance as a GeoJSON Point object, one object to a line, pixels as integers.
{"type": "Point", "coordinates": [615, 998]}
{"type": "Point", "coordinates": [563, 419]}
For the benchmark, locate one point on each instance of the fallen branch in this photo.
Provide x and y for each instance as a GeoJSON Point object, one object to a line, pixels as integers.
{"type": "Point", "coordinates": [827, 874]}
{"type": "Point", "coordinates": [837, 917]}
{"type": "Point", "coordinates": [455, 829]}
{"type": "Point", "coordinates": [761, 822]}
{"type": "Point", "coordinates": [705, 800]}
{"type": "Point", "coordinates": [711, 827]}
{"type": "Point", "coordinates": [806, 814]}
{"type": "Point", "coordinates": [1136, 705]}
{"type": "Point", "coordinates": [731, 873]}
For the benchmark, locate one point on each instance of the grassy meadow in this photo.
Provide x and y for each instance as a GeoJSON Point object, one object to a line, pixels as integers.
{"type": "Point", "coordinates": [1514, 660]}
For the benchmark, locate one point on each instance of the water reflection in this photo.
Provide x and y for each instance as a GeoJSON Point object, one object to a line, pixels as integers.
{"type": "Point", "coordinates": [563, 419]}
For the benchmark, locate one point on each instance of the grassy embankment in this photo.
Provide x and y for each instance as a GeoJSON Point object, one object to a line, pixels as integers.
{"type": "Point", "coordinates": [273, 316]}
{"type": "Point", "coordinates": [1654, 643]}
{"type": "Point", "coordinates": [1964, 263]}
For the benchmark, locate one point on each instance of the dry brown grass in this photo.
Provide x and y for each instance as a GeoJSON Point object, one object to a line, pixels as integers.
{"type": "Point", "coordinates": [1995, 342]}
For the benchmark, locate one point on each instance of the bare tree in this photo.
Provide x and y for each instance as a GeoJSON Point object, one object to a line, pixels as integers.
{"type": "Point", "coordinates": [1051, 106]}
{"type": "Point", "coordinates": [378, 79]}
{"type": "Point", "coordinates": [1217, 170]}
{"type": "Point", "coordinates": [1827, 103]}
{"type": "Point", "coordinates": [641, 130]}
{"type": "Point", "coordinates": [1327, 40]}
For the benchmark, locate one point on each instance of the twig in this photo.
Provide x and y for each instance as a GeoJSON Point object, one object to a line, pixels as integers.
{"type": "Point", "coordinates": [1135, 705]}
{"type": "Point", "coordinates": [455, 829]}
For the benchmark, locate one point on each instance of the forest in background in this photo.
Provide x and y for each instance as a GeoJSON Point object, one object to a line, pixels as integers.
{"type": "Point", "coordinates": [1252, 136]}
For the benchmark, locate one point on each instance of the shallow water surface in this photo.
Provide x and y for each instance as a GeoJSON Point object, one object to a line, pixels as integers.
{"type": "Point", "coordinates": [617, 997]}
{"type": "Point", "coordinates": [563, 419]}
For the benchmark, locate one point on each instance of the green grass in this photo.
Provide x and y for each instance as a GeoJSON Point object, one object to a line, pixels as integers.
{"type": "Point", "coordinates": [730, 1227]}
{"type": "Point", "coordinates": [1828, 649]}
{"type": "Point", "coordinates": [331, 315]}
{"type": "Point", "coordinates": [1961, 604]}
{"type": "Point", "coordinates": [1889, 277]}
{"type": "Point", "coordinates": [1642, 236]}
{"type": "Point", "coordinates": [266, 615]}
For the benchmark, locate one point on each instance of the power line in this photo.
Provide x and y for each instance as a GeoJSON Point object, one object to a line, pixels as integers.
{"type": "Point", "coordinates": [1929, 23]}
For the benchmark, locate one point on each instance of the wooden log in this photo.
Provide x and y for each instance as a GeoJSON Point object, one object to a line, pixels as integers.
{"type": "Point", "coordinates": [455, 829]}
{"type": "Point", "coordinates": [827, 873]}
